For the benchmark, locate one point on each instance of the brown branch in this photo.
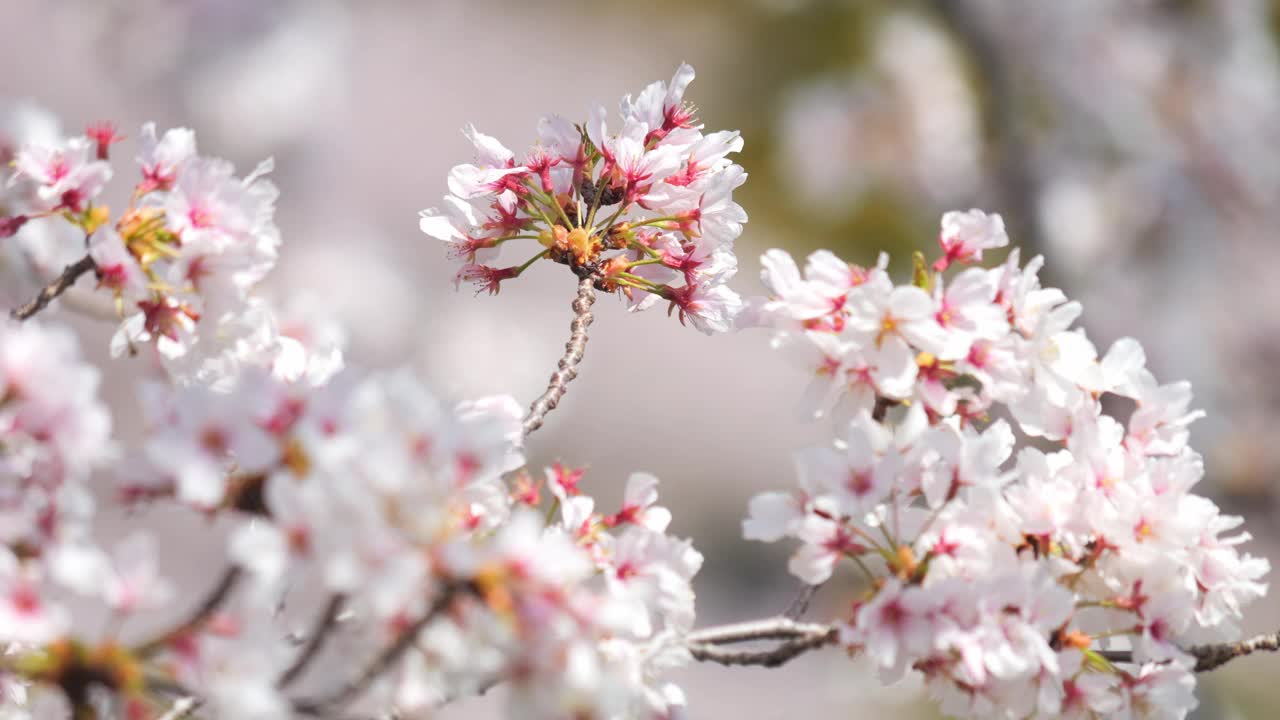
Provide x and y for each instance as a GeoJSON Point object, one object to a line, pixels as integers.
{"type": "Point", "coordinates": [351, 689]}
{"type": "Point", "coordinates": [797, 638]}
{"type": "Point", "coordinates": [211, 603]}
{"type": "Point", "coordinates": [1212, 657]}
{"type": "Point", "coordinates": [573, 351]}
{"type": "Point", "coordinates": [56, 287]}
{"type": "Point", "coordinates": [312, 645]}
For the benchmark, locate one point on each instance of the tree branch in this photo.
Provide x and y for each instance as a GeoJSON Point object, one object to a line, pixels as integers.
{"type": "Point", "coordinates": [312, 645]}
{"type": "Point", "coordinates": [573, 351]}
{"type": "Point", "coordinates": [56, 287]}
{"type": "Point", "coordinates": [212, 601]}
{"type": "Point", "coordinates": [800, 605]}
{"type": "Point", "coordinates": [1212, 657]}
{"type": "Point", "coordinates": [797, 638]}
{"type": "Point", "coordinates": [352, 688]}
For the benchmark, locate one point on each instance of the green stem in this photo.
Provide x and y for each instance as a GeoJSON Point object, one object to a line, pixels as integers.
{"type": "Point", "coordinates": [651, 286]}
{"type": "Point", "coordinates": [539, 212]}
{"type": "Point", "coordinates": [549, 201]}
{"type": "Point", "coordinates": [865, 570]}
{"type": "Point", "coordinates": [654, 221]}
{"type": "Point", "coordinates": [520, 270]}
{"type": "Point", "coordinates": [647, 250]}
{"type": "Point", "coordinates": [647, 261]}
{"type": "Point", "coordinates": [887, 537]}
{"type": "Point", "coordinates": [595, 203]}
{"type": "Point", "coordinates": [613, 218]}
{"type": "Point", "coordinates": [628, 283]}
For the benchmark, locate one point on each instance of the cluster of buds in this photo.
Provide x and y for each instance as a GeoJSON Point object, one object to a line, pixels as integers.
{"type": "Point", "coordinates": [646, 211]}
{"type": "Point", "coordinates": [1003, 578]}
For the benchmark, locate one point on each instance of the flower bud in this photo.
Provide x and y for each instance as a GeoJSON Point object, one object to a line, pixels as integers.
{"type": "Point", "coordinates": [546, 238]}
{"type": "Point", "coordinates": [581, 245]}
{"type": "Point", "coordinates": [10, 226]}
{"type": "Point", "coordinates": [621, 236]}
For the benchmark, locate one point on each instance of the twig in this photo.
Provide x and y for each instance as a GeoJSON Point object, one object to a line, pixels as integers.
{"type": "Point", "coordinates": [324, 626]}
{"type": "Point", "coordinates": [181, 708]}
{"type": "Point", "coordinates": [778, 628]}
{"type": "Point", "coordinates": [797, 639]}
{"type": "Point", "coordinates": [384, 660]}
{"type": "Point", "coordinates": [56, 287]}
{"type": "Point", "coordinates": [800, 605]}
{"type": "Point", "coordinates": [1212, 657]}
{"type": "Point", "coordinates": [573, 351]}
{"type": "Point", "coordinates": [212, 601]}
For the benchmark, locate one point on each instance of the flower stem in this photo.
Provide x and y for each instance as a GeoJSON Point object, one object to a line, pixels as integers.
{"type": "Point", "coordinates": [573, 352]}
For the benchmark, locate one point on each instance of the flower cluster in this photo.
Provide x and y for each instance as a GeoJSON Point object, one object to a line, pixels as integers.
{"type": "Point", "coordinates": [376, 493]}
{"type": "Point", "coordinates": [647, 208]}
{"type": "Point", "coordinates": [366, 518]}
{"type": "Point", "coordinates": [54, 430]}
{"type": "Point", "coordinates": [30, 252]}
{"type": "Point", "coordinates": [1000, 576]}
{"type": "Point", "coordinates": [183, 257]}
{"type": "Point", "coordinates": [371, 492]}
{"type": "Point", "coordinates": [408, 515]}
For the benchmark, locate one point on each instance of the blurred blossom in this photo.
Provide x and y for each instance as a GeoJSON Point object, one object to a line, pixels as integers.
{"type": "Point", "coordinates": [1148, 133]}
{"type": "Point", "coordinates": [38, 250]}
{"type": "Point", "coordinates": [366, 293]}
{"type": "Point", "coordinates": [278, 86]}
{"type": "Point", "coordinates": [926, 79]}
{"type": "Point", "coordinates": [1158, 119]}
{"type": "Point", "coordinates": [908, 118]}
{"type": "Point", "coordinates": [466, 361]}
{"type": "Point", "coordinates": [853, 683]}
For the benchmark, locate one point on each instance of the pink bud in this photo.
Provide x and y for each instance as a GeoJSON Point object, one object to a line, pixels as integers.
{"type": "Point", "coordinates": [11, 225]}
{"type": "Point", "coordinates": [104, 134]}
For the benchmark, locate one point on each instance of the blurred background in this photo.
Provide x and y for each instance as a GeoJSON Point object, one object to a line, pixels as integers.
{"type": "Point", "coordinates": [1136, 144]}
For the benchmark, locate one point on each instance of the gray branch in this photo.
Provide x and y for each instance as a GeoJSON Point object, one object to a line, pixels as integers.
{"type": "Point", "coordinates": [573, 352]}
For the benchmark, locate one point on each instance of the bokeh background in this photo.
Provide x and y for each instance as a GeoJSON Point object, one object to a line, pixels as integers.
{"type": "Point", "coordinates": [1136, 144]}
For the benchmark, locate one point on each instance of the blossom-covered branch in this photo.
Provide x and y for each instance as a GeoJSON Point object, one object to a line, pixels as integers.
{"type": "Point", "coordinates": [211, 603]}
{"type": "Point", "coordinates": [383, 661]}
{"type": "Point", "coordinates": [798, 638]}
{"type": "Point", "coordinates": [1213, 656]}
{"type": "Point", "coordinates": [1004, 578]}
{"type": "Point", "coordinates": [1000, 577]}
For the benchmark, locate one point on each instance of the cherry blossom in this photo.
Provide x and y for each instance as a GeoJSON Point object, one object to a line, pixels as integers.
{"type": "Point", "coordinates": [67, 176]}
{"type": "Point", "coordinates": [999, 575]}
{"type": "Point", "coordinates": [1019, 548]}
{"type": "Point", "coordinates": [623, 205]}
